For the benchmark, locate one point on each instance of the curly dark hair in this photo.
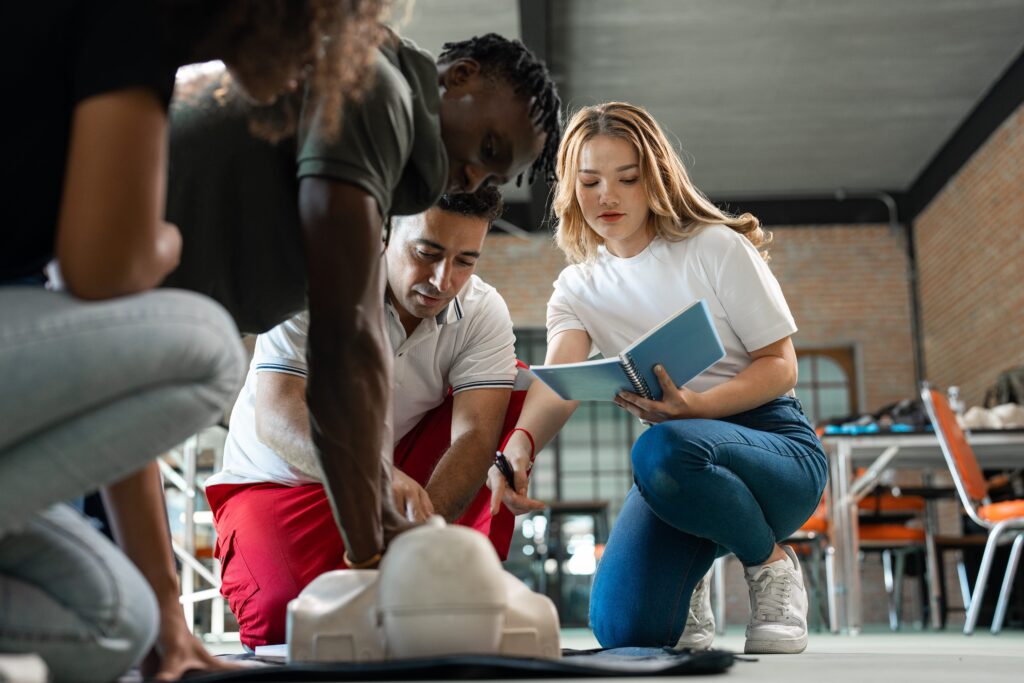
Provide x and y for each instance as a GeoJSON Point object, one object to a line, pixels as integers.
{"type": "Point", "coordinates": [484, 203]}
{"type": "Point", "coordinates": [338, 37]}
{"type": "Point", "coordinates": [509, 60]}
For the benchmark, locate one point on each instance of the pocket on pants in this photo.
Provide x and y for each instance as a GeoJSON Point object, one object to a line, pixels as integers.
{"type": "Point", "coordinates": [237, 583]}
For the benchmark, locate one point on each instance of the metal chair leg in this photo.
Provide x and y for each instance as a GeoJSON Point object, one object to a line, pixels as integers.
{"type": "Point", "coordinates": [890, 588]}
{"type": "Point", "coordinates": [718, 579]}
{"type": "Point", "coordinates": [899, 572]}
{"type": "Point", "coordinates": [979, 584]}
{"type": "Point", "coordinates": [931, 575]}
{"type": "Point", "coordinates": [965, 585]}
{"type": "Point", "coordinates": [830, 589]}
{"type": "Point", "coordinates": [814, 593]}
{"type": "Point", "coordinates": [1004, 593]}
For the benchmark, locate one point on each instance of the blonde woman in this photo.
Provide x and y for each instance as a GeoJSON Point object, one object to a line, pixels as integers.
{"type": "Point", "coordinates": [731, 464]}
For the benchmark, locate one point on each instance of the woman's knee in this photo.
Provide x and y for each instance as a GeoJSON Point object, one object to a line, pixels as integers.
{"type": "Point", "coordinates": [624, 623]}
{"type": "Point", "coordinates": [613, 623]}
{"type": "Point", "coordinates": [92, 617]}
{"type": "Point", "coordinates": [123, 642]}
{"type": "Point", "coordinates": [665, 457]}
{"type": "Point", "coordinates": [211, 335]}
{"type": "Point", "coordinates": [75, 647]}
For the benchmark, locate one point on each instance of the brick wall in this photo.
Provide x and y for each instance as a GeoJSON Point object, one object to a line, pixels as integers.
{"type": "Point", "coordinates": [970, 245]}
{"type": "Point", "coordinates": [847, 286]}
{"type": "Point", "coordinates": [522, 269]}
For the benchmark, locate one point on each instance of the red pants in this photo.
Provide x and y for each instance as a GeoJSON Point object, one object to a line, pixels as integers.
{"type": "Point", "coordinates": [273, 540]}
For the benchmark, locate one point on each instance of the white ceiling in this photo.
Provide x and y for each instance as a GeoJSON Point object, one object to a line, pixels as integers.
{"type": "Point", "coordinates": [771, 97]}
{"type": "Point", "coordinates": [431, 23]}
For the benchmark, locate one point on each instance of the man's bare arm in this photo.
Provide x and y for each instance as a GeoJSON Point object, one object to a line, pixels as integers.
{"type": "Point", "coordinates": [282, 424]}
{"type": "Point", "coordinates": [348, 389]}
{"type": "Point", "coordinates": [477, 417]}
{"type": "Point", "coordinates": [282, 421]}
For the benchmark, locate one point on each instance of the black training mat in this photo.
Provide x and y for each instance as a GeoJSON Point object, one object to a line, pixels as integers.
{"type": "Point", "coordinates": [619, 662]}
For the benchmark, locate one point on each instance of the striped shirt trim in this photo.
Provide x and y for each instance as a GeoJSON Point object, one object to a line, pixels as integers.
{"type": "Point", "coordinates": [283, 369]}
{"type": "Point", "coordinates": [452, 313]}
{"type": "Point", "coordinates": [485, 384]}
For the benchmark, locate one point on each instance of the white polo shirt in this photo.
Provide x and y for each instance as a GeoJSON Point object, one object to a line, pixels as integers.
{"type": "Point", "coordinates": [469, 345]}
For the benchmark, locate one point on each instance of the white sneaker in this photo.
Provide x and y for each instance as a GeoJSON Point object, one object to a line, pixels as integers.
{"type": "Point", "coordinates": [778, 607]}
{"type": "Point", "coordinates": [700, 621]}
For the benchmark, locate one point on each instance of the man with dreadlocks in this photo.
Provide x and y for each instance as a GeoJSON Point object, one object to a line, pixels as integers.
{"type": "Point", "coordinates": [270, 230]}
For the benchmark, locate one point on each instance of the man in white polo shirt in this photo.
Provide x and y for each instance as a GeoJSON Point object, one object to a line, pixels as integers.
{"type": "Point", "coordinates": [454, 369]}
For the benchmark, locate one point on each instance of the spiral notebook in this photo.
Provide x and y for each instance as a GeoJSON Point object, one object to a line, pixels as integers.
{"type": "Point", "coordinates": [686, 343]}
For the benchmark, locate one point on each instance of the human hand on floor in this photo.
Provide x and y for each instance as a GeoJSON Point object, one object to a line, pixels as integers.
{"type": "Point", "coordinates": [177, 652]}
{"type": "Point", "coordinates": [410, 498]}
{"type": "Point", "coordinates": [676, 403]}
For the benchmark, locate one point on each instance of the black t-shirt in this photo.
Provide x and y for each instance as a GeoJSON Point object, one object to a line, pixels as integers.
{"type": "Point", "coordinates": [235, 197]}
{"type": "Point", "coordinates": [55, 54]}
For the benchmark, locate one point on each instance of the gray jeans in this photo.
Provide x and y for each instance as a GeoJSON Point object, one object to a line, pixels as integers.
{"type": "Point", "coordinates": [91, 392]}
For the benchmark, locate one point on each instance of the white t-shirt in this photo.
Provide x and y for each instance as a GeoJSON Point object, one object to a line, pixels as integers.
{"type": "Point", "coordinates": [616, 300]}
{"type": "Point", "coordinates": [469, 345]}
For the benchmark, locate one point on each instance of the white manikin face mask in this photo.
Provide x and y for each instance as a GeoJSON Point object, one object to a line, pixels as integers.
{"type": "Point", "coordinates": [440, 590]}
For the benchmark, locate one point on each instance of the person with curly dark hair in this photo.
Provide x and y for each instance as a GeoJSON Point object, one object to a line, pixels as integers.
{"type": "Point", "coordinates": [273, 229]}
{"type": "Point", "coordinates": [102, 377]}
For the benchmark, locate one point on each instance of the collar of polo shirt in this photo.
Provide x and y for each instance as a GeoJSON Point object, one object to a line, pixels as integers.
{"type": "Point", "coordinates": [452, 313]}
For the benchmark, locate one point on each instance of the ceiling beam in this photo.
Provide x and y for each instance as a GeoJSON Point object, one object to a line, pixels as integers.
{"type": "Point", "coordinates": [857, 209]}
{"type": "Point", "coordinates": [534, 29]}
{"type": "Point", "coordinates": [1001, 101]}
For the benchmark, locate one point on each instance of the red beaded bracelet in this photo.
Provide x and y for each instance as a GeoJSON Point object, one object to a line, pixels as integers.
{"type": "Point", "coordinates": [533, 445]}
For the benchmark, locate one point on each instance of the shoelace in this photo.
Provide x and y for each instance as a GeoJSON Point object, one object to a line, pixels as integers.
{"type": "Point", "coordinates": [772, 591]}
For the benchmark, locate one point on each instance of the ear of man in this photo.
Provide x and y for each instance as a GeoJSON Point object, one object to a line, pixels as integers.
{"type": "Point", "coordinates": [460, 73]}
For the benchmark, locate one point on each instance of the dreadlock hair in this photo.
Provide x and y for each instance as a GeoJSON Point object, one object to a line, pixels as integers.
{"type": "Point", "coordinates": [484, 203]}
{"type": "Point", "coordinates": [510, 61]}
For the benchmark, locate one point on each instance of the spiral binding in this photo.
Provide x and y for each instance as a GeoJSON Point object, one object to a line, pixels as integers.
{"type": "Point", "coordinates": [636, 379]}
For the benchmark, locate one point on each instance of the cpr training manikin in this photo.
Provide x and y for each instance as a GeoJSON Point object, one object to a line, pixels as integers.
{"type": "Point", "coordinates": [440, 591]}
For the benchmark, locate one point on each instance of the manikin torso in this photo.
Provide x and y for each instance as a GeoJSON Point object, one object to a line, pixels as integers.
{"type": "Point", "coordinates": [440, 590]}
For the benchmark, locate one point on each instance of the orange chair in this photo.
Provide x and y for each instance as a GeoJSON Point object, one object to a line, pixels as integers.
{"type": "Point", "coordinates": [1003, 521]}
{"type": "Point", "coordinates": [883, 528]}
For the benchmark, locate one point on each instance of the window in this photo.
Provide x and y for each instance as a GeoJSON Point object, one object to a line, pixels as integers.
{"type": "Point", "coordinates": [589, 458]}
{"type": "Point", "coordinates": [826, 385]}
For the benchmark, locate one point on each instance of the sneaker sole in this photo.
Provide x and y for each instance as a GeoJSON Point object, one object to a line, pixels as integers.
{"type": "Point", "coordinates": [694, 644]}
{"type": "Point", "coordinates": [775, 647]}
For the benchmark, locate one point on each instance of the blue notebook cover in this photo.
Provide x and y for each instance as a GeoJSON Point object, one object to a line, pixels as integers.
{"type": "Point", "coordinates": [686, 343]}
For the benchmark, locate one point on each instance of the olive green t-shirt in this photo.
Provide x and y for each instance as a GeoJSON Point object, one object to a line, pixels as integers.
{"type": "Point", "coordinates": [235, 196]}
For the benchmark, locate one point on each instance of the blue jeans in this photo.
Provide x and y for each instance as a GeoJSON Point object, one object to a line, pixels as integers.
{"type": "Point", "coordinates": [91, 392]}
{"type": "Point", "coordinates": [704, 488]}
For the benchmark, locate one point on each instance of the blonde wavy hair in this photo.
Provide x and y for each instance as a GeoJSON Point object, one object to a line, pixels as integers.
{"type": "Point", "coordinates": [678, 209]}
